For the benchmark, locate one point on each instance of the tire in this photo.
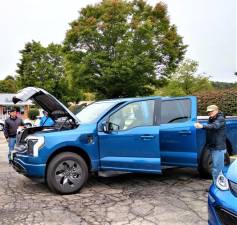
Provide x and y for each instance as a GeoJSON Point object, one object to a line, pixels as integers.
{"type": "Point", "coordinates": [66, 173]}
{"type": "Point", "coordinates": [1, 127]}
{"type": "Point", "coordinates": [205, 164]}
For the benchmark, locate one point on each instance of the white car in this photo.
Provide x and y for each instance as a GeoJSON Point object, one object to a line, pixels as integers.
{"type": "Point", "coordinates": [28, 123]}
{"type": "Point", "coordinates": [1, 124]}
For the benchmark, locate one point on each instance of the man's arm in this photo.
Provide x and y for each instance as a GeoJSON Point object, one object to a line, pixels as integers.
{"type": "Point", "coordinates": [6, 128]}
{"type": "Point", "coordinates": [217, 124]}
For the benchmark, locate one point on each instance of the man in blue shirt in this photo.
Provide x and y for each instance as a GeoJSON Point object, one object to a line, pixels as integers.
{"type": "Point", "coordinates": [46, 120]}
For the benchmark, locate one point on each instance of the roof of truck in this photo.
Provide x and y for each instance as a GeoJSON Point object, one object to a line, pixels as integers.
{"type": "Point", "coordinates": [117, 100]}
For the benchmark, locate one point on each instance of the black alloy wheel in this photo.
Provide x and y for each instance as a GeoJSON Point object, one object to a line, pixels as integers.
{"type": "Point", "coordinates": [67, 173]}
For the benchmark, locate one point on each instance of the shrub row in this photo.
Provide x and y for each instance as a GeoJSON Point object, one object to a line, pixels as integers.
{"type": "Point", "coordinates": [226, 100]}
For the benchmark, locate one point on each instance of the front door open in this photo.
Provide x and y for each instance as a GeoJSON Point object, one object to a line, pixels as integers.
{"type": "Point", "coordinates": [132, 143]}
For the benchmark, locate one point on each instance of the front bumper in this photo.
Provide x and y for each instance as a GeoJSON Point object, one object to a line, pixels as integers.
{"type": "Point", "coordinates": [27, 165]}
{"type": "Point", "coordinates": [222, 207]}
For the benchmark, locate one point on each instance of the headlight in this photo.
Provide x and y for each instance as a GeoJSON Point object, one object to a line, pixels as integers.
{"type": "Point", "coordinates": [34, 144]}
{"type": "Point", "coordinates": [222, 182]}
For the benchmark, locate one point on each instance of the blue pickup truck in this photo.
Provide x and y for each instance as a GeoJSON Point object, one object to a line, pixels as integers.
{"type": "Point", "coordinates": [144, 135]}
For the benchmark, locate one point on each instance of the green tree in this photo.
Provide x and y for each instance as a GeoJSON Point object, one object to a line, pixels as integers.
{"type": "Point", "coordinates": [8, 85]}
{"type": "Point", "coordinates": [119, 49]}
{"type": "Point", "coordinates": [223, 85]}
{"type": "Point", "coordinates": [42, 67]}
{"type": "Point", "coordinates": [9, 77]}
{"type": "Point", "coordinates": [185, 81]}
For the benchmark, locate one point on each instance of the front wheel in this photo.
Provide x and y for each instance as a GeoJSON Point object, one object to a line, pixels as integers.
{"type": "Point", "coordinates": [1, 126]}
{"type": "Point", "coordinates": [205, 164]}
{"type": "Point", "coordinates": [67, 173]}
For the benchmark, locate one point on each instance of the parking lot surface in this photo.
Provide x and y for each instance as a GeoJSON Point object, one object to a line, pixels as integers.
{"type": "Point", "coordinates": [178, 197]}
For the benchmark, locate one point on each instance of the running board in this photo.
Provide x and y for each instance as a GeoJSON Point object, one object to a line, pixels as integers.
{"type": "Point", "coordinates": [111, 173]}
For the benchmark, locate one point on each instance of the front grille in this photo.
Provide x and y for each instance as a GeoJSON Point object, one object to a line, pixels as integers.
{"type": "Point", "coordinates": [226, 217]}
{"type": "Point", "coordinates": [233, 188]}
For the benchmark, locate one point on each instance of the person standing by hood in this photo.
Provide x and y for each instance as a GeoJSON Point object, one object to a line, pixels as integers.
{"type": "Point", "coordinates": [46, 120]}
{"type": "Point", "coordinates": [216, 138]}
{"type": "Point", "coordinates": [10, 129]}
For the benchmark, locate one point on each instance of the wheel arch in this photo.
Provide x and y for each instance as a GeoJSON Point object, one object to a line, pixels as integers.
{"type": "Point", "coordinates": [203, 162]}
{"type": "Point", "coordinates": [73, 149]}
{"type": "Point", "coordinates": [228, 148]}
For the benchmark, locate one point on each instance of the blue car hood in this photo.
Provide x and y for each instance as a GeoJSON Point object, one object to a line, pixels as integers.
{"type": "Point", "coordinates": [231, 171]}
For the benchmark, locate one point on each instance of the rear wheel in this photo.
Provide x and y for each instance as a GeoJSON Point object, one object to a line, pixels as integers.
{"type": "Point", "coordinates": [1, 126]}
{"type": "Point", "coordinates": [67, 173]}
{"type": "Point", "coordinates": [205, 164]}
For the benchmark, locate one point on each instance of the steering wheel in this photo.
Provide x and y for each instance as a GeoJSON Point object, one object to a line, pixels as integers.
{"type": "Point", "coordinates": [178, 118]}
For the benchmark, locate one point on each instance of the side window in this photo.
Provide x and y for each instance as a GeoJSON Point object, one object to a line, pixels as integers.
{"type": "Point", "coordinates": [175, 111]}
{"type": "Point", "coordinates": [133, 115]}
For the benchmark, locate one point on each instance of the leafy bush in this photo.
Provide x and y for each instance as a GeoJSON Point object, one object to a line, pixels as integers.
{"type": "Point", "coordinates": [33, 113]}
{"type": "Point", "coordinates": [226, 100]}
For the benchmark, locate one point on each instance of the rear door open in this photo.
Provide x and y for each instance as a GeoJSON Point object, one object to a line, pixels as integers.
{"type": "Point", "coordinates": [178, 141]}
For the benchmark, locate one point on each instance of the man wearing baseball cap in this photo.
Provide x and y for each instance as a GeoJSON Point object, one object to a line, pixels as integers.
{"type": "Point", "coordinates": [10, 129]}
{"type": "Point", "coordinates": [216, 138]}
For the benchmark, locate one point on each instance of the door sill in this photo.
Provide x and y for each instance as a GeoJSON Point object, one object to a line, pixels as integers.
{"type": "Point", "coordinates": [111, 173]}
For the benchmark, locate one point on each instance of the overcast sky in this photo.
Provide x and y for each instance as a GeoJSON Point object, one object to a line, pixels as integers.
{"type": "Point", "coordinates": [209, 27]}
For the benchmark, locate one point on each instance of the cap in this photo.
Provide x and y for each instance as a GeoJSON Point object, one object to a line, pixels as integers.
{"type": "Point", "coordinates": [211, 108]}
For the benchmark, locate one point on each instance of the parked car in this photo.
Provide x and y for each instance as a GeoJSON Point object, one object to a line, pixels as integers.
{"type": "Point", "coordinates": [134, 134]}
{"type": "Point", "coordinates": [222, 198]}
{"type": "Point", "coordinates": [28, 123]}
{"type": "Point", "coordinates": [1, 125]}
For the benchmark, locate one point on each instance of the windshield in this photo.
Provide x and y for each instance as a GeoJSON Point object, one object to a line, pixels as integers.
{"type": "Point", "coordinates": [93, 111]}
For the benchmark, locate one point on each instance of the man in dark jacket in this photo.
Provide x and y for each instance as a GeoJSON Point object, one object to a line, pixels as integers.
{"type": "Point", "coordinates": [216, 138]}
{"type": "Point", "coordinates": [10, 129]}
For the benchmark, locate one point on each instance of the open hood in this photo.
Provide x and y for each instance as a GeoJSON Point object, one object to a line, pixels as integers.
{"type": "Point", "coordinates": [48, 102]}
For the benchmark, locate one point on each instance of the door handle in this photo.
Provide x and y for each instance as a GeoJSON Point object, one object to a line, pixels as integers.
{"type": "Point", "coordinates": [187, 132]}
{"type": "Point", "coordinates": [147, 137]}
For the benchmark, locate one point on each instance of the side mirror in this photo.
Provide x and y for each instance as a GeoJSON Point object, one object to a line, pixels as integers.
{"type": "Point", "coordinates": [105, 126]}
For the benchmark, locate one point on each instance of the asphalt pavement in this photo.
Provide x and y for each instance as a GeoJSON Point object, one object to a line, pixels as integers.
{"type": "Point", "coordinates": [178, 197]}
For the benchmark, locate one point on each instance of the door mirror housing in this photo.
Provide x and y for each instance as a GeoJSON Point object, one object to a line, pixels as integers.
{"type": "Point", "coordinates": [107, 127]}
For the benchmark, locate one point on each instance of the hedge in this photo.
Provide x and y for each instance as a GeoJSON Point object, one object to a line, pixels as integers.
{"type": "Point", "coordinates": [226, 100]}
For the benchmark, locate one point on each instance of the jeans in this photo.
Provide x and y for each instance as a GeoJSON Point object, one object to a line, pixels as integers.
{"type": "Point", "coordinates": [11, 145]}
{"type": "Point", "coordinates": [218, 162]}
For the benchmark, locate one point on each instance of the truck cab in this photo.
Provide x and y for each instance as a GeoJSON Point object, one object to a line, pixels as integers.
{"type": "Point", "coordinates": [134, 134]}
